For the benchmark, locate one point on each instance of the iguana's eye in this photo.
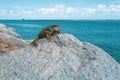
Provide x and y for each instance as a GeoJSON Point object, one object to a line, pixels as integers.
{"type": "Point", "coordinates": [47, 29]}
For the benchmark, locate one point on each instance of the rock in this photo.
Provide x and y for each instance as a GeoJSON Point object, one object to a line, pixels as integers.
{"type": "Point", "coordinates": [8, 30]}
{"type": "Point", "coordinates": [62, 58]}
{"type": "Point", "coordinates": [9, 43]}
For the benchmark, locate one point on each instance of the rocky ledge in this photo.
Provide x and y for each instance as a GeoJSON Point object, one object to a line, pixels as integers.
{"type": "Point", "coordinates": [8, 30]}
{"type": "Point", "coordinates": [62, 58]}
{"type": "Point", "coordinates": [10, 40]}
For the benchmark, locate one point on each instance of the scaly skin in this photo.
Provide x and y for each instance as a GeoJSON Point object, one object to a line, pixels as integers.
{"type": "Point", "coordinates": [47, 32]}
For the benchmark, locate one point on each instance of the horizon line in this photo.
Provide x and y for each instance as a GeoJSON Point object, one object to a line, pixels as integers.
{"type": "Point", "coordinates": [60, 19]}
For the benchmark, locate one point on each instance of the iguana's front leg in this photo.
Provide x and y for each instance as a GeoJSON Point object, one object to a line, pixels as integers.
{"type": "Point", "coordinates": [35, 42]}
{"type": "Point", "coordinates": [48, 35]}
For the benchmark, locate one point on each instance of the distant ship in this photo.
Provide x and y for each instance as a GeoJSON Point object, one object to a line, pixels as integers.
{"type": "Point", "coordinates": [23, 19]}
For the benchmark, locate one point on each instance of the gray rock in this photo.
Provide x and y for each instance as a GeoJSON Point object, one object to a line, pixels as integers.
{"type": "Point", "coordinates": [62, 58]}
{"type": "Point", "coordinates": [15, 43]}
{"type": "Point", "coordinates": [8, 30]}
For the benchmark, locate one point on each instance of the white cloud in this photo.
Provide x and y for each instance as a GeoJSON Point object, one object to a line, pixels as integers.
{"type": "Point", "coordinates": [88, 10]}
{"type": "Point", "coordinates": [57, 10]}
{"type": "Point", "coordinates": [70, 10]}
{"type": "Point", "coordinates": [102, 12]}
{"type": "Point", "coordinates": [114, 8]}
{"type": "Point", "coordinates": [101, 6]}
{"type": "Point", "coordinates": [111, 8]}
{"type": "Point", "coordinates": [61, 11]}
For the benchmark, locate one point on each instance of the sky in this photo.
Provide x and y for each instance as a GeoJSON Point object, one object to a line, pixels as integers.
{"type": "Point", "coordinates": [60, 9]}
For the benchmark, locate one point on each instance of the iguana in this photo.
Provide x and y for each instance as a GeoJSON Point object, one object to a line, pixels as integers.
{"type": "Point", "coordinates": [47, 32]}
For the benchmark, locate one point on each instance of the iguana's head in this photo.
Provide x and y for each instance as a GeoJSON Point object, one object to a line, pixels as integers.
{"type": "Point", "coordinates": [56, 29]}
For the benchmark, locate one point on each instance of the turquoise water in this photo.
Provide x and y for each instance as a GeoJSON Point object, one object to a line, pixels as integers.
{"type": "Point", "coordinates": [103, 33]}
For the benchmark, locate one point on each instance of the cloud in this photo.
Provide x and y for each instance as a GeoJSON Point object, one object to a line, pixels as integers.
{"type": "Point", "coordinates": [61, 11]}
{"type": "Point", "coordinates": [101, 11]}
{"type": "Point", "coordinates": [88, 11]}
{"type": "Point", "coordinates": [111, 8]}
{"type": "Point", "coordinates": [57, 10]}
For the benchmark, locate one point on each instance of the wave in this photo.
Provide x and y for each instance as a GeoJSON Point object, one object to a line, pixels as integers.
{"type": "Point", "coordinates": [25, 25]}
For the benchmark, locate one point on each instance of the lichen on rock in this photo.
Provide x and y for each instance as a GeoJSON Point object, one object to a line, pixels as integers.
{"type": "Point", "coordinates": [10, 40]}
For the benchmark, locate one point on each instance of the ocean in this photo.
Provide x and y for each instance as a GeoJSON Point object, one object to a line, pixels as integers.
{"type": "Point", "coordinates": [102, 33]}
